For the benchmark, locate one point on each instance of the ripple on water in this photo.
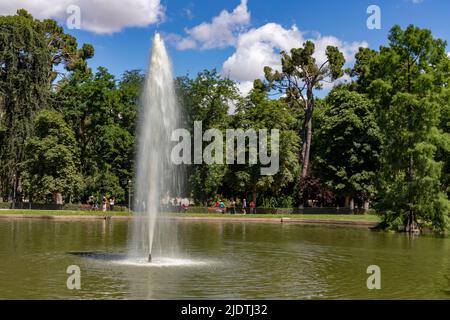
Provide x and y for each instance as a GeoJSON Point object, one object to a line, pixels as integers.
{"type": "Point", "coordinates": [159, 262]}
{"type": "Point", "coordinates": [124, 260]}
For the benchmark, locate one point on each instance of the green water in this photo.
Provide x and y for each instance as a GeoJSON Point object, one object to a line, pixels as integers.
{"type": "Point", "coordinates": [231, 260]}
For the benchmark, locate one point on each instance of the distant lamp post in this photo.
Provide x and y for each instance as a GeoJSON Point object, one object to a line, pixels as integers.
{"type": "Point", "coordinates": [129, 195]}
{"type": "Point", "coordinates": [14, 191]}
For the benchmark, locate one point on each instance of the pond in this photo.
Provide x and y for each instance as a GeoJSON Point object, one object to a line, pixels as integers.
{"type": "Point", "coordinates": [221, 260]}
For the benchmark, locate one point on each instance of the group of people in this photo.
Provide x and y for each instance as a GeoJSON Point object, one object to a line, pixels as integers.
{"type": "Point", "coordinates": [221, 207]}
{"type": "Point", "coordinates": [106, 203]}
{"type": "Point", "coordinates": [182, 204]}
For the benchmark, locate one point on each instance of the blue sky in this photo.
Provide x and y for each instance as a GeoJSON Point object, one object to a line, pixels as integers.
{"type": "Point", "coordinates": [246, 34]}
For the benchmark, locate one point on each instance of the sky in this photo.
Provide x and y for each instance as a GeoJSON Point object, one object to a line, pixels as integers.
{"type": "Point", "coordinates": [237, 37]}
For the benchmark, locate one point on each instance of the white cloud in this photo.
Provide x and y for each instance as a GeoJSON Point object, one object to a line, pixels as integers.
{"type": "Point", "coordinates": [219, 33]}
{"type": "Point", "coordinates": [99, 16]}
{"type": "Point", "coordinates": [261, 47]}
{"type": "Point", "coordinates": [256, 47]}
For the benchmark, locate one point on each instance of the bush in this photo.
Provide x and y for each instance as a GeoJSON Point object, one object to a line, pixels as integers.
{"type": "Point", "coordinates": [281, 202]}
{"type": "Point", "coordinates": [269, 203]}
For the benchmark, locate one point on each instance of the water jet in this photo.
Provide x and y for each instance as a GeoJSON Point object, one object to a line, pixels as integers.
{"type": "Point", "coordinates": [156, 175]}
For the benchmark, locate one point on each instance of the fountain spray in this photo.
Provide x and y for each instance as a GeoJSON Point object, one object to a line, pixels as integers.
{"type": "Point", "coordinates": [156, 175]}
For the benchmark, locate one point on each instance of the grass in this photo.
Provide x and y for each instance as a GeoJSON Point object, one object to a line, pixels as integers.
{"type": "Point", "coordinates": [333, 217]}
{"type": "Point", "coordinates": [63, 212]}
{"type": "Point", "coordinates": [364, 218]}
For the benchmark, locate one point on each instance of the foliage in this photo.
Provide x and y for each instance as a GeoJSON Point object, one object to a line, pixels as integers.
{"type": "Point", "coordinates": [257, 112]}
{"type": "Point", "coordinates": [278, 202]}
{"type": "Point", "coordinates": [50, 164]}
{"type": "Point", "coordinates": [406, 81]}
{"type": "Point", "coordinates": [30, 51]}
{"type": "Point", "coordinates": [348, 143]}
{"type": "Point", "coordinates": [384, 137]}
{"type": "Point", "coordinates": [102, 114]}
{"type": "Point", "coordinates": [206, 98]}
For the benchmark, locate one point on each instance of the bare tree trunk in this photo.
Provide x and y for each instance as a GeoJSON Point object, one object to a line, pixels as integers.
{"type": "Point", "coordinates": [307, 132]}
{"type": "Point", "coordinates": [307, 145]}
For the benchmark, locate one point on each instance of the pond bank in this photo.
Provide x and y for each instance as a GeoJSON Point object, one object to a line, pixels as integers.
{"type": "Point", "coordinates": [338, 220]}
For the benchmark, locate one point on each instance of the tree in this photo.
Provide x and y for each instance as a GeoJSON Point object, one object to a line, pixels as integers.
{"type": "Point", "coordinates": [30, 52]}
{"type": "Point", "coordinates": [207, 98]}
{"type": "Point", "coordinates": [24, 90]}
{"type": "Point", "coordinates": [257, 112]}
{"type": "Point", "coordinates": [406, 81]}
{"type": "Point", "coordinates": [50, 167]}
{"type": "Point", "coordinates": [348, 146]}
{"type": "Point", "coordinates": [442, 153]}
{"type": "Point", "coordinates": [299, 77]}
{"type": "Point", "coordinates": [102, 117]}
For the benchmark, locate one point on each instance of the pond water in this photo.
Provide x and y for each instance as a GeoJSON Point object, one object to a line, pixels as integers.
{"type": "Point", "coordinates": [220, 260]}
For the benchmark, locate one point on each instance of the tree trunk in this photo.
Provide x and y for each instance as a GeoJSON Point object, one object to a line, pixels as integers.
{"type": "Point", "coordinates": [307, 134]}
{"type": "Point", "coordinates": [412, 226]}
{"type": "Point", "coordinates": [307, 145]}
{"type": "Point", "coordinates": [57, 198]}
{"type": "Point", "coordinates": [349, 203]}
{"type": "Point", "coordinates": [306, 141]}
{"type": "Point", "coordinates": [366, 205]}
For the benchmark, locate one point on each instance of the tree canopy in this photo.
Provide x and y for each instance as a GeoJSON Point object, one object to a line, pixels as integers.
{"type": "Point", "coordinates": [383, 138]}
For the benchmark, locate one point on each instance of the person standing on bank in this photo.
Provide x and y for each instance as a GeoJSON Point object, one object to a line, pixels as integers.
{"type": "Point", "coordinates": [244, 206]}
{"type": "Point", "coordinates": [233, 206]}
{"type": "Point", "coordinates": [111, 204]}
{"type": "Point", "coordinates": [252, 207]}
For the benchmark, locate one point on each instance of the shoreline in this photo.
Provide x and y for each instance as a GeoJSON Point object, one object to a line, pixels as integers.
{"type": "Point", "coordinates": [305, 220]}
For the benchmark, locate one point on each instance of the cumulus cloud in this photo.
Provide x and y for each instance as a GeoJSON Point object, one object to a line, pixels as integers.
{"type": "Point", "coordinates": [99, 16]}
{"type": "Point", "coordinates": [261, 47]}
{"type": "Point", "coordinates": [256, 47]}
{"type": "Point", "coordinates": [219, 33]}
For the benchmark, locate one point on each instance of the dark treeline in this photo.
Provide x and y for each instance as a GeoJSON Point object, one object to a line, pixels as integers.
{"type": "Point", "coordinates": [381, 140]}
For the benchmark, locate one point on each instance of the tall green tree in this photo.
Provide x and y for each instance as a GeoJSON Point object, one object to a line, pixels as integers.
{"type": "Point", "coordinates": [406, 80]}
{"type": "Point", "coordinates": [299, 77]}
{"type": "Point", "coordinates": [102, 115]}
{"type": "Point", "coordinates": [442, 153]}
{"type": "Point", "coordinates": [50, 164]}
{"type": "Point", "coordinates": [257, 112]}
{"type": "Point", "coordinates": [30, 52]}
{"type": "Point", "coordinates": [24, 90]}
{"type": "Point", "coordinates": [207, 98]}
{"type": "Point", "coordinates": [348, 146]}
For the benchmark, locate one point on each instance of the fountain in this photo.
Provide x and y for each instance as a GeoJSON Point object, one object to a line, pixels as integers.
{"type": "Point", "coordinates": [156, 176]}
